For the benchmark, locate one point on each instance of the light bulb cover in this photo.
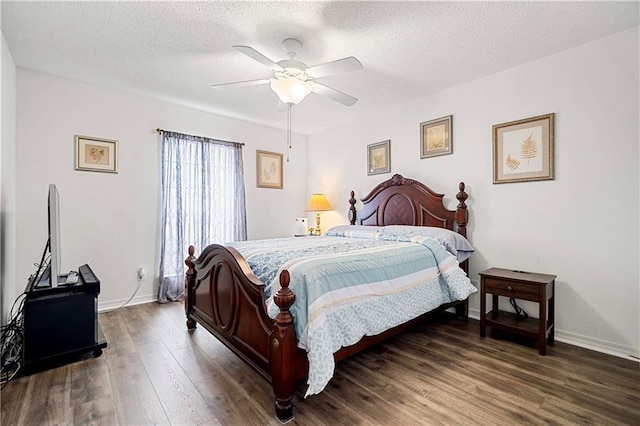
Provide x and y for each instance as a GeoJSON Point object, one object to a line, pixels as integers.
{"type": "Point", "coordinates": [291, 90]}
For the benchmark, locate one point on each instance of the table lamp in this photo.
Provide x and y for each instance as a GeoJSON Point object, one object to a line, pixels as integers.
{"type": "Point", "coordinates": [318, 203]}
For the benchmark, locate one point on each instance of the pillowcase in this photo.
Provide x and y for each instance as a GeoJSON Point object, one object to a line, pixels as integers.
{"type": "Point", "coordinates": [455, 243]}
{"type": "Point", "coordinates": [354, 231]}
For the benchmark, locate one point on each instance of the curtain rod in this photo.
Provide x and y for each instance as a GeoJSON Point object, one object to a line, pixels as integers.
{"type": "Point", "coordinates": [159, 130]}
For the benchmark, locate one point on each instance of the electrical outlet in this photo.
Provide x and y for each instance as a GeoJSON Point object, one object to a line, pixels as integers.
{"type": "Point", "coordinates": [141, 275]}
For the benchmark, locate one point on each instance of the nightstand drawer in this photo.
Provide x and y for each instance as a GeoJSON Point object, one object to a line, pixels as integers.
{"type": "Point", "coordinates": [522, 291]}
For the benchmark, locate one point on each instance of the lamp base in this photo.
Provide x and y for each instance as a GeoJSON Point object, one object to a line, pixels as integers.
{"type": "Point", "coordinates": [317, 231]}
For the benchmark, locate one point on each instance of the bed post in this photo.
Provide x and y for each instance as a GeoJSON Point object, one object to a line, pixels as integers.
{"type": "Point", "coordinates": [352, 210]}
{"type": "Point", "coordinates": [461, 211]}
{"type": "Point", "coordinates": [283, 351]}
{"type": "Point", "coordinates": [189, 284]}
{"type": "Point", "coordinates": [462, 310]}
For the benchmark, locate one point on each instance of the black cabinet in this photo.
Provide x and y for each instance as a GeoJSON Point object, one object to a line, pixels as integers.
{"type": "Point", "coordinates": [61, 322]}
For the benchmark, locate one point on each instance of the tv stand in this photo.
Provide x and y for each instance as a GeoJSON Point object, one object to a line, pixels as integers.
{"type": "Point", "coordinates": [61, 323]}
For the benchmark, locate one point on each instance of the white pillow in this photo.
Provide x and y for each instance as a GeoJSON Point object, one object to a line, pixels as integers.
{"type": "Point", "coordinates": [354, 231]}
{"type": "Point", "coordinates": [455, 243]}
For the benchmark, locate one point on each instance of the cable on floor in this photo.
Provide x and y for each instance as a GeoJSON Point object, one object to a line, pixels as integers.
{"type": "Point", "coordinates": [11, 358]}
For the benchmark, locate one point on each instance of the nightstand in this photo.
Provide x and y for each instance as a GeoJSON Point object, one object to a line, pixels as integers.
{"type": "Point", "coordinates": [531, 286]}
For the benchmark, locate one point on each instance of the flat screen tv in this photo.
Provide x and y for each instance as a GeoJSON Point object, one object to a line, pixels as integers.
{"type": "Point", "coordinates": [48, 272]}
{"type": "Point", "coordinates": [54, 233]}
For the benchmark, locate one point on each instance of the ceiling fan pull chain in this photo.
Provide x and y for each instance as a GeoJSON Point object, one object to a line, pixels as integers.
{"type": "Point", "coordinates": [288, 130]}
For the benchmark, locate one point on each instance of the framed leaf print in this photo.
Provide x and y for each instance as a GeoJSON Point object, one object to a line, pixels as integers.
{"type": "Point", "coordinates": [436, 137]}
{"type": "Point", "coordinates": [379, 158]}
{"type": "Point", "coordinates": [523, 150]}
{"type": "Point", "coordinates": [96, 154]}
{"type": "Point", "coordinates": [269, 169]}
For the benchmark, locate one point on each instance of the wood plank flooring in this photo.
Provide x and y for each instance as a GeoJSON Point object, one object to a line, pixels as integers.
{"type": "Point", "coordinates": [439, 373]}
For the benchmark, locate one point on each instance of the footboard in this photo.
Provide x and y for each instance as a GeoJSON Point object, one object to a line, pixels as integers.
{"type": "Point", "coordinates": [226, 298]}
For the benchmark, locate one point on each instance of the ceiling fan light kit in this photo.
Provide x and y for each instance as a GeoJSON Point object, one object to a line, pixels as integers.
{"type": "Point", "coordinates": [291, 90]}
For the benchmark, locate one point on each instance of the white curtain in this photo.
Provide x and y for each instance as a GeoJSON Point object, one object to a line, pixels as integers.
{"type": "Point", "coordinates": [203, 202]}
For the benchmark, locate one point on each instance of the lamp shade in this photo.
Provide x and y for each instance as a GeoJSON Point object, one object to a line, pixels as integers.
{"type": "Point", "coordinates": [291, 90]}
{"type": "Point", "coordinates": [318, 203]}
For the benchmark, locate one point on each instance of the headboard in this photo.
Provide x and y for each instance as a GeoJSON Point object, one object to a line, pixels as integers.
{"type": "Point", "coordinates": [402, 201]}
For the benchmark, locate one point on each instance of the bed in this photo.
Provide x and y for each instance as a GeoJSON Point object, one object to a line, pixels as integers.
{"type": "Point", "coordinates": [225, 296]}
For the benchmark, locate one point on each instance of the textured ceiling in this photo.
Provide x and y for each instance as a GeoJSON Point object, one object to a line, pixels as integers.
{"type": "Point", "coordinates": [174, 51]}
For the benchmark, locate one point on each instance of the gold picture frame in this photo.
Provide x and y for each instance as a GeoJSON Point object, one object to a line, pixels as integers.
{"type": "Point", "coordinates": [436, 137]}
{"type": "Point", "coordinates": [269, 169]}
{"type": "Point", "coordinates": [96, 154]}
{"type": "Point", "coordinates": [523, 150]}
{"type": "Point", "coordinates": [379, 158]}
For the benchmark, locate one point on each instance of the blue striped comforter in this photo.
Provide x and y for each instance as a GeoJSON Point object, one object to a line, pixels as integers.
{"type": "Point", "coordinates": [347, 288]}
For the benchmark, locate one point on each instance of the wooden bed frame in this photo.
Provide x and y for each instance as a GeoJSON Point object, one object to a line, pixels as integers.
{"type": "Point", "coordinates": [226, 298]}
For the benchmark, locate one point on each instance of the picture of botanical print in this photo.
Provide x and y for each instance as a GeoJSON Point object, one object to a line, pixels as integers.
{"type": "Point", "coordinates": [96, 154]}
{"type": "Point", "coordinates": [379, 159]}
{"type": "Point", "coordinates": [435, 137]}
{"type": "Point", "coordinates": [270, 170]}
{"type": "Point", "coordinates": [523, 149]}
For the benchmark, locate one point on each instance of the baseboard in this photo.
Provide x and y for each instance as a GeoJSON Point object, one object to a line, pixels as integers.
{"type": "Point", "coordinates": [586, 342]}
{"type": "Point", "coordinates": [137, 300]}
{"type": "Point", "coordinates": [597, 345]}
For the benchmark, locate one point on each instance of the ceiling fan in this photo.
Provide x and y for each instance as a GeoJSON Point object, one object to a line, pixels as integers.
{"type": "Point", "coordinates": [294, 80]}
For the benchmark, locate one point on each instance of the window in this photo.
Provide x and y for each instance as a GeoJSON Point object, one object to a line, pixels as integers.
{"type": "Point", "coordinates": [203, 202]}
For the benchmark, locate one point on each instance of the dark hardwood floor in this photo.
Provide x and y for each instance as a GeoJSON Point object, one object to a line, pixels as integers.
{"type": "Point", "coordinates": [155, 372]}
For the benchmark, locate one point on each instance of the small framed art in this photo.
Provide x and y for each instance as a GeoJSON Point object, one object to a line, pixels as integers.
{"type": "Point", "coordinates": [436, 137]}
{"type": "Point", "coordinates": [523, 150]}
{"type": "Point", "coordinates": [96, 154]}
{"type": "Point", "coordinates": [269, 169]}
{"type": "Point", "coordinates": [379, 158]}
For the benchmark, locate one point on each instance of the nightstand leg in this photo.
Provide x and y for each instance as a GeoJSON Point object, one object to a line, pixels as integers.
{"type": "Point", "coordinates": [483, 308]}
{"type": "Point", "coordinates": [552, 313]}
{"type": "Point", "coordinates": [542, 321]}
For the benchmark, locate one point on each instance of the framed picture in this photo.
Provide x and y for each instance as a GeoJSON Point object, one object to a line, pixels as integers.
{"type": "Point", "coordinates": [436, 137]}
{"type": "Point", "coordinates": [269, 169]}
{"type": "Point", "coordinates": [379, 158]}
{"type": "Point", "coordinates": [96, 154]}
{"type": "Point", "coordinates": [523, 150]}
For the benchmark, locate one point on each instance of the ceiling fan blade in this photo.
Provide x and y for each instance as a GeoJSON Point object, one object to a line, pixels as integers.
{"type": "Point", "coordinates": [333, 94]}
{"type": "Point", "coordinates": [254, 54]}
{"type": "Point", "coordinates": [335, 67]}
{"type": "Point", "coordinates": [241, 83]}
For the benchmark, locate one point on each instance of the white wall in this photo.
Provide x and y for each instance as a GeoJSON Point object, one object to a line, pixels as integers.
{"type": "Point", "coordinates": [582, 226]}
{"type": "Point", "coordinates": [7, 181]}
{"type": "Point", "coordinates": [113, 218]}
